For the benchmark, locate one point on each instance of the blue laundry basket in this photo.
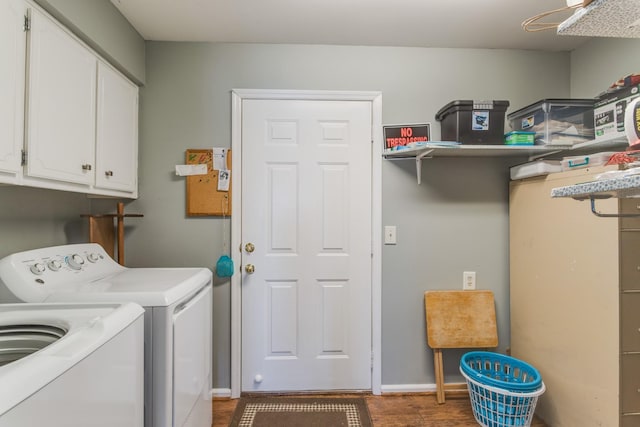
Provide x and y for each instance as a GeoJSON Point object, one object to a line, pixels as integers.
{"type": "Point", "coordinates": [498, 370]}
{"type": "Point", "coordinates": [503, 390]}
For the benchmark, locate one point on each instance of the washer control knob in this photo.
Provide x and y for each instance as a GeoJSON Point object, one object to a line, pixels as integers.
{"type": "Point", "coordinates": [75, 261]}
{"type": "Point", "coordinates": [93, 257]}
{"type": "Point", "coordinates": [37, 268]}
{"type": "Point", "coordinates": [54, 265]}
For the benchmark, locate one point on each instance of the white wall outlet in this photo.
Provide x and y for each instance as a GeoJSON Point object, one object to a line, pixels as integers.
{"type": "Point", "coordinates": [389, 234]}
{"type": "Point", "coordinates": [468, 280]}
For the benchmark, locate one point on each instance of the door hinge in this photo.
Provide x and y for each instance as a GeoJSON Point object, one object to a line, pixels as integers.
{"type": "Point", "coordinates": [372, 361]}
{"type": "Point", "coordinates": [23, 158]}
{"type": "Point", "coordinates": [27, 23]}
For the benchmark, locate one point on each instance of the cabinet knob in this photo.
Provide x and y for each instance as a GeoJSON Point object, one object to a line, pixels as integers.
{"type": "Point", "coordinates": [108, 173]}
{"type": "Point", "coordinates": [86, 167]}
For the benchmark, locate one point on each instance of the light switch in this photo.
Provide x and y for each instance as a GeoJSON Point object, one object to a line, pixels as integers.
{"type": "Point", "coordinates": [389, 234]}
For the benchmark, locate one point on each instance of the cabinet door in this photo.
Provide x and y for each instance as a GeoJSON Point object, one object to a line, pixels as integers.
{"type": "Point", "coordinates": [12, 68]}
{"type": "Point", "coordinates": [61, 105]}
{"type": "Point", "coordinates": [630, 323]}
{"type": "Point", "coordinates": [629, 261]}
{"type": "Point", "coordinates": [630, 206]}
{"type": "Point", "coordinates": [117, 131]}
{"type": "Point", "coordinates": [629, 394]}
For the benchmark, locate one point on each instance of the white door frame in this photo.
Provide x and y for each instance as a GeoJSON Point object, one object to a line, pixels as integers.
{"type": "Point", "coordinates": [237, 96]}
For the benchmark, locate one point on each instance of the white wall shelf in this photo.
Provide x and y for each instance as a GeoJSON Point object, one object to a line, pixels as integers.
{"type": "Point", "coordinates": [614, 144]}
{"type": "Point", "coordinates": [531, 152]}
{"type": "Point", "coordinates": [474, 151]}
{"type": "Point", "coordinates": [428, 151]}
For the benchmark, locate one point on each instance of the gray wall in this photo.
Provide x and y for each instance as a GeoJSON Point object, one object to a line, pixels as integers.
{"type": "Point", "coordinates": [99, 24]}
{"type": "Point", "coordinates": [32, 218]}
{"type": "Point", "coordinates": [600, 62]}
{"type": "Point", "coordinates": [456, 220]}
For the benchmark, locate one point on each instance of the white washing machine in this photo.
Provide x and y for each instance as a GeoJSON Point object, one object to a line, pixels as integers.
{"type": "Point", "coordinates": [177, 320]}
{"type": "Point", "coordinates": [71, 365]}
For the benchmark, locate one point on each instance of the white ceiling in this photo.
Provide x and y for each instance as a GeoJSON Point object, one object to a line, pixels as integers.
{"type": "Point", "coordinates": [424, 23]}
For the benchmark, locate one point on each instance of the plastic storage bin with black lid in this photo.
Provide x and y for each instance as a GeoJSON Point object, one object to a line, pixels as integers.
{"type": "Point", "coordinates": [473, 122]}
{"type": "Point", "coordinates": [556, 121]}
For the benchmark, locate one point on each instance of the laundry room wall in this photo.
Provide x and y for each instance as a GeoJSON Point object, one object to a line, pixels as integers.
{"type": "Point", "coordinates": [457, 220]}
{"type": "Point", "coordinates": [101, 25]}
{"type": "Point", "coordinates": [34, 218]}
{"type": "Point", "coordinates": [599, 62]}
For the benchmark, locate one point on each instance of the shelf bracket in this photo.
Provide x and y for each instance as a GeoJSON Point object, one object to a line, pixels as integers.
{"type": "Point", "coordinates": [603, 215]}
{"type": "Point", "coordinates": [419, 157]}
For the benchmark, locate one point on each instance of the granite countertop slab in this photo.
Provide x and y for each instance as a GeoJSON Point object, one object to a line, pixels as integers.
{"type": "Point", "coordinates": [628, 186]}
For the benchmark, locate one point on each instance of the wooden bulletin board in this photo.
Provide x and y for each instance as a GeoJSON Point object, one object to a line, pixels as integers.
{"type": "Point", "coordinates": [203, 197]}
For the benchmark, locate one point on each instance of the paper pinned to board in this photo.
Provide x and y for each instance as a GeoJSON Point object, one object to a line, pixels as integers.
{"type": "Point", "coordinates": [224, 179]}
{"type": "Point", "coordinates": [220, 158]}
{"type": "Point", "coordinates": [220, 164]}
{"type": "Point", "coordinates": [188, 170]}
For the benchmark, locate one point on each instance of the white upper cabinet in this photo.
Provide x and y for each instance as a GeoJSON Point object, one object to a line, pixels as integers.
{"type": "Point", "coordinates": [117, 131]}
{"type": "Point", "coordinates": [12, 80]}
{"type": "Point", "coordinates": [61, 113]}
{"type": "Point", "coordinates": [68, 120]}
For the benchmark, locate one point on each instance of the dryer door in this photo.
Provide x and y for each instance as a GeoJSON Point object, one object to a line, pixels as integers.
{"type": "Point", "coordinates": [192, 361]}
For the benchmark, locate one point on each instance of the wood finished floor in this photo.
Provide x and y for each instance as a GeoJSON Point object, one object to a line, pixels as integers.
{"type": "Point", "coordinates": [419, 410]}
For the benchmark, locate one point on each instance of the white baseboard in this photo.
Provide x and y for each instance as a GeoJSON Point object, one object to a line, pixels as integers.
{"type": "Point", "coordinates": [407, 388]}
{"type": "Point", "coordinates": [422, 388]}
{"type": "Point", "coordinates": [220, 392]}
{"type": "Point", "coordinates": [385, 389]}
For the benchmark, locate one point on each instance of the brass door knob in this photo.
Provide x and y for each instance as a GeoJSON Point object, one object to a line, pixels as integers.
{"type": "Point", "coordinates": [249, 247]}
{"type": "Point", "coordinates": [249, 268]}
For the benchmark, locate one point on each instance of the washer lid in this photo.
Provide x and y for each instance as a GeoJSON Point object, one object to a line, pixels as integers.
{"type": "Point", "coordinates": [88, 327]}
{"type": "Point", "coordinates": [149, 287]}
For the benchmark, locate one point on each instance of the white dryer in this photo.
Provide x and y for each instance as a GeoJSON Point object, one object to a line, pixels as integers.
{"type": "Point", "coordinates": [177, 320]}
{"type": "Point", "coordinates": [71, 365]}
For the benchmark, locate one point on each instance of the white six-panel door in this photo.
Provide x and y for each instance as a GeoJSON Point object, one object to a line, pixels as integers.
{"type": "Point", "coordinates": [306, 209]}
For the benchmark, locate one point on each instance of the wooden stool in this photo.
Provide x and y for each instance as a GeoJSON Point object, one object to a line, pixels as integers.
{"type": "Point", "coordinates": [458, 319]}
{"type": "Point", "coordinates": [101, 231]}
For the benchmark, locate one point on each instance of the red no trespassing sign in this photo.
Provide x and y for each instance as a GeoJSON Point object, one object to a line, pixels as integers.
{"type": "Point", "coordinates": [397, 137]}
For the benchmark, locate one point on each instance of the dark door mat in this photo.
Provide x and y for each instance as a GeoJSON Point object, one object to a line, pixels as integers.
{"type": "Point", "coordinates": [307, 412]}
